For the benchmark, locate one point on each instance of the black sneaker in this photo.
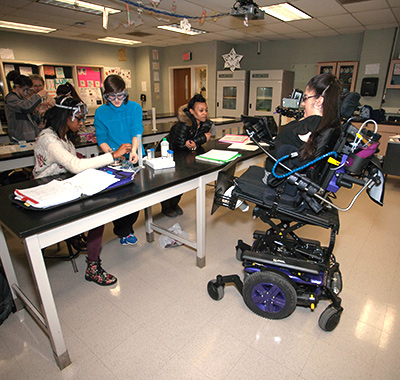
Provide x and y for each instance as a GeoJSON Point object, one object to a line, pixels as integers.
{"type": "Point", "coordinates": [178, 210]}
{"type": "Point", "coordinates": [169, 212]}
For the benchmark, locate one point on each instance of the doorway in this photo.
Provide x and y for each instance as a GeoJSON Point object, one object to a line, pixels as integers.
{"type": "Point", "coordinates": [184, 82]}
{"type": "Point", "coordinates": [182, 87]}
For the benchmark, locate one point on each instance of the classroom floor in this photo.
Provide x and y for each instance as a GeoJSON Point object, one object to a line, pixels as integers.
{"type": "Point", "coordinates": [158, 322]}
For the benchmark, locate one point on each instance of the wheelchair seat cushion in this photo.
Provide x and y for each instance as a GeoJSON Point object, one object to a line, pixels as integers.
{"type": "Point", "coordinates": [251, 183]}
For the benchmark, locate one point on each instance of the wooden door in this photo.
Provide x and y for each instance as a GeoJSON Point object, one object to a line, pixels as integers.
{"type": "Point", "coordinates": [182, 88]}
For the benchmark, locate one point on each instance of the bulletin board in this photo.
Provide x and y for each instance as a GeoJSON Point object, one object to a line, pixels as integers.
{"type": "Point", "coordinates": [89, 82]}
{"type": "Point", "coordinates": [89, 76]}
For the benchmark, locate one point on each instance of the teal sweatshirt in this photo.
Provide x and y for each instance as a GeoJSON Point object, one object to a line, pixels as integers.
{"type": "Point", "coordinates": [118, 125]}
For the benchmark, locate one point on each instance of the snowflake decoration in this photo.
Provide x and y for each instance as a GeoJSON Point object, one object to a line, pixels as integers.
{"type": "Point", "coordinates": [185, 25]}
{"type": "Point", "coordinates": [232, 60]}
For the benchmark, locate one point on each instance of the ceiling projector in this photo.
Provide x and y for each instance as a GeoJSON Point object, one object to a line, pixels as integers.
{"type": "Point", "coordinates": [249, 8]}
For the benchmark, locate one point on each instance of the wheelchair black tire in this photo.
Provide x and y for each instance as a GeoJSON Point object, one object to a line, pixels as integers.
{"type": "Point", "coordinates": [269, 295]}
{"type": "Point", "coordinates": [216, 292]}
{"type": "Point", "coordinates": [330, 318]}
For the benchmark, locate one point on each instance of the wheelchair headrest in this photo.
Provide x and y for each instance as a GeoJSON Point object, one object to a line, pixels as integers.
{"type": "Point", "coordinates": [350, 103]}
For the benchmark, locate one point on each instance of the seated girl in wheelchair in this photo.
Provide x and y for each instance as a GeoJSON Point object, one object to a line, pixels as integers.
{"type": "Point", "coordinates": [321, 101]}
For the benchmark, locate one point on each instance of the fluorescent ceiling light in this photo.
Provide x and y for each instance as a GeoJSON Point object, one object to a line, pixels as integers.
{"type": "Point", "coordinates": [81, 6]}
{"type": "Point", "coordinates": [178, 29]}
{"type": "Point", "coordinates": [285, 12]}
{"type": "Point", "coordinates": [26, 27]}
{"type": "Point", "coordinates": [119, 41]}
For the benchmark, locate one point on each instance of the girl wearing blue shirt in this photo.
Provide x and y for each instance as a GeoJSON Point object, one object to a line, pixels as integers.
{"type": "Point", "coordinates": [117, 122]}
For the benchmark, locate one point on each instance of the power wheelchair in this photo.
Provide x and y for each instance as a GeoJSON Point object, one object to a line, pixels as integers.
{"type": "Point", "coordinates": [281, 269]}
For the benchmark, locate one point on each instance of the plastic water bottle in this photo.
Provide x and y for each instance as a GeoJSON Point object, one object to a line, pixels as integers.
{"type": "Point", "coordinates": [164, 147]}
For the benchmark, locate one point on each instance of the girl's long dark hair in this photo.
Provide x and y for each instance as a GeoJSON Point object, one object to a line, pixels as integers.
{"type": "Point", "coordinates": [56, 118]}
{"type": "Point", "coordinates": [329, 87]}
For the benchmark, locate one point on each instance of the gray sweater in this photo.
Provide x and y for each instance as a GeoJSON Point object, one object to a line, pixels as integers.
{"type": "Point", "coordinates": [21, 125]}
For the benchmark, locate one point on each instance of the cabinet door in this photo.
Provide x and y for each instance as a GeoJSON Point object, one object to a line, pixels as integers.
{"type": "Point", "coordinates": [327, 67]}
{"type": "Point", "coordinates": [393, 80]}
{"type": "Point", "coordinates": [346, 72]}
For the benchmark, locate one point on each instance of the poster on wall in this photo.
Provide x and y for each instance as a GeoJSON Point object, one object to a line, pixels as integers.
{"type": "Point", "coordinates": [88, 77]}
{"type": "Point", "coordinates": [156, 76]}
{"type": "Point", "coordinates": [60, 72]}
{"type": "Point", "coordinates": [8, 68]}
{"type": "Point", "coordinates": [155, 55]}
{"type": "Point", "coordinates": [112, 70]}
{"type": "Point", "coordinates": [91, 96]}
{"type": "Point", "coordinates": [58, 81]}
{"type": "Point", "coordinates": [126, 76]}
{"type": "Point", "coordinates": [25, 70]}
{"type": "Point", "coordinates": [156, 65]}
{"type": "Point", "coordinates": [49, 71]}
{"type": "Point", "coordinates": [156, 87]}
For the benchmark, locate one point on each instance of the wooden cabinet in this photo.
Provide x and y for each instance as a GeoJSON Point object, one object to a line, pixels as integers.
{"type": "Point", "coordinates": [393, 80]}
{"type": "Point", "coordinates": [345, 71]}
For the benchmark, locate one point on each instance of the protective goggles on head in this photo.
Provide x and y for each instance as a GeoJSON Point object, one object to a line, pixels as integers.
{"type": "Point", "coordinates": [78, 108]}
{"type": "Point", "coordinates": [116, 95]}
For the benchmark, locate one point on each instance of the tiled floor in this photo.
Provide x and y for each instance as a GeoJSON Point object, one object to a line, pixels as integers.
{"type": "Point", "coordinates": [158, 322]}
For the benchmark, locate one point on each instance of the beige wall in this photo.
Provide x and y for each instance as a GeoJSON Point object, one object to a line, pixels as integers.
{"type": "Point", "coordinates": [300, 56]}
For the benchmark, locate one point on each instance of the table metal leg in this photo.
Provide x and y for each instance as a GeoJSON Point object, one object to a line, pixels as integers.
{"type": "Point", "coordinates": [9, 269]}
{"type": "Point", "coordinates": [201, 223]}
{"type": "Point", "coordinates": [148, 222]}
{"type": "Point", "coordinates": [50, 318]}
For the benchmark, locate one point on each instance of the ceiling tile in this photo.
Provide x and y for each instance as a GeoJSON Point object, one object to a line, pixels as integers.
{"type": "Point", "coordinates": [366, 6]}
{"type": "Point", "coordinates": [379, 16]}
{"type": "Point", "coordinates": [324, 33]}
{"type": "Point", "coordinates": [309, 25]}
{"type": "Point", "coordinates": [343, 21]}
{"type": "Point", "coordinates": [319, 8]}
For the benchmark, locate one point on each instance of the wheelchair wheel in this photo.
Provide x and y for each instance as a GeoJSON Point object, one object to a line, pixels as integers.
{"type": "Point", "coordinates": [330, 318]}
{"type": "Point", "coordinates": [269, 295]}
{"type": "Point", "coordinates": [216, 292]}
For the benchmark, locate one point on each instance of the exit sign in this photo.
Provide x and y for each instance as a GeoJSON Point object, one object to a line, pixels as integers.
{"type": "Point", "coordinates": [187, 56]}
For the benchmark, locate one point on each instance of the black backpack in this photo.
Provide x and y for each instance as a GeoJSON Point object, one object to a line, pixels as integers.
{"type": "Point", "coordinates": [6, 301]}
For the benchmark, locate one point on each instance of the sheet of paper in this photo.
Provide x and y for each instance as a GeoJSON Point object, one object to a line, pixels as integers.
{"type": "Point", "coordinates": [241, 146]}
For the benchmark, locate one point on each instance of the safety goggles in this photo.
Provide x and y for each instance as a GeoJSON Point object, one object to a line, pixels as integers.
{"type": "Point", "coordinates": [80, 107]}
{"type": "Point", "coordinates": [116, 95]}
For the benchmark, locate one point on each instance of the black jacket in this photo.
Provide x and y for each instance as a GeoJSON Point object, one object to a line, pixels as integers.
{"type": "Point", "coordinates": [186, 129]}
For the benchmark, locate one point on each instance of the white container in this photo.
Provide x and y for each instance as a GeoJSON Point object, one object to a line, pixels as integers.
{"type": "Point", "coordinates": [164, 147]}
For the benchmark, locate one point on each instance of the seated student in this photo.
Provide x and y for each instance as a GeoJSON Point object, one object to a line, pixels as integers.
{"type": "Point", "coordinates": [189, 133]}
{"type": "Point", "coordinates": [118, 121]}
{"type": "Point", "coordinates": [19, 107]}
{"type": "Point", "coordinates": [321, 101]}
{"type": "Point", "coordinates": [55, 154]}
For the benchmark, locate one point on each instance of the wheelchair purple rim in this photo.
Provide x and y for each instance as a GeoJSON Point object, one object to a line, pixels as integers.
{"type": "Point", "coordinates": [268, 297]}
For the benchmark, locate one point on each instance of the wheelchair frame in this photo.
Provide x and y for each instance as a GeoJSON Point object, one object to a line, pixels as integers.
{"type": "Point", "coordinates": [281, 269]}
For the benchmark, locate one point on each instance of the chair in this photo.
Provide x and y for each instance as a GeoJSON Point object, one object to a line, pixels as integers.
{"type": "Point", "coordinates": [73, 250]}
{"type": "Point", "coordinates": [281, 269]}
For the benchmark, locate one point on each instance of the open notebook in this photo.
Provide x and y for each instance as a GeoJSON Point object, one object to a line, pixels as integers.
{"type": "Point", "coordinates": [84, 184]}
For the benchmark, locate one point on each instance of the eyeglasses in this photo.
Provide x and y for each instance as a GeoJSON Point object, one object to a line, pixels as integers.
{"type": "Point", "coordinates": [305, 97]}
{"type": "Point", "coordinates": [117, 95]}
